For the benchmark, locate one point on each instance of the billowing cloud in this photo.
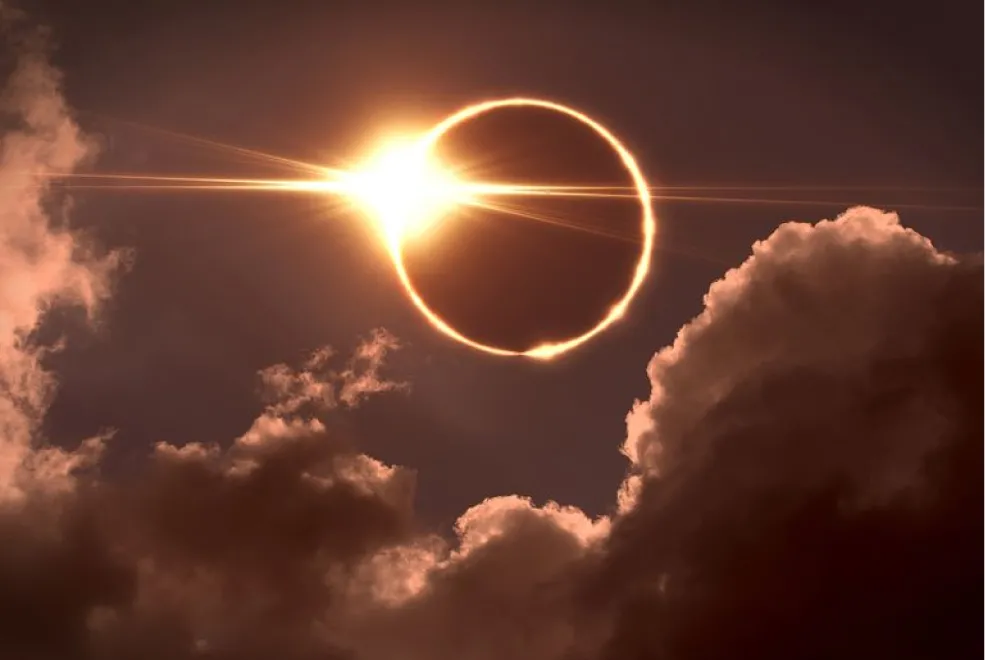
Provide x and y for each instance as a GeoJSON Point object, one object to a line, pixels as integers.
{"type": "Point", "coordinates": [804, 479]}
{"type": "Point", "coordinates": [238, 552]}
{"type": "Point", "coordinates": [806, 473]}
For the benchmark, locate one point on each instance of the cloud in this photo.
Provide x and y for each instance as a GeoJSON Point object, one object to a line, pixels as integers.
{"type": "Point", "coordinates": [317, 385]}
{"type": "Point", "coordinates": [804, 479]}
{"type": "Point", "coordinates": [803, 470]}
{"type": "Point", "coordinates": [361, 376]}
{"type": "Point", "coordinates": [238, 552]}
{"type": "Point", "coordinates": [502, 588]}
{"type": "Point", "coordinates": [42, 263]}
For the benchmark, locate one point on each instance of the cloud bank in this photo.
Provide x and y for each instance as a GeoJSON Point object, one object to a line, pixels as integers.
{"type": "Point", "coordinates": [804, 480]}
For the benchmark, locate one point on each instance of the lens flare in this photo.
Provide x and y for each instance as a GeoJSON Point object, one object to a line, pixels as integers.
{"type": "Point", "coordinates": [404, 189]}
{"type": "Point", "coordinates": [544, 351]}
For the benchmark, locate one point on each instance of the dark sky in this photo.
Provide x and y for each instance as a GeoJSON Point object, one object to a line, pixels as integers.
{"type": "Point", "coordinates": [224, 284]}
{"type": "Point", "coordinates": [880, 104]}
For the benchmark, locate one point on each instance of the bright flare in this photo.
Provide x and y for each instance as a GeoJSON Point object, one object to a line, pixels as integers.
{"type": "Point", "coordinates": [404, 189]}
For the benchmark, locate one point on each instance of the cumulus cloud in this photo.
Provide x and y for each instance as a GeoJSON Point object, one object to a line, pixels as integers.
{"type": "Point", "coordinates": [804, 479]}
{"type": "Point", "coordinates": [806, 472]}
{"type": "Point", "coordinates": [234, 553]}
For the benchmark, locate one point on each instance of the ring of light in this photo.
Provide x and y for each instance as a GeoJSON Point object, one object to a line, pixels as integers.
{"type": "Point", "coordinates": [549, 349]}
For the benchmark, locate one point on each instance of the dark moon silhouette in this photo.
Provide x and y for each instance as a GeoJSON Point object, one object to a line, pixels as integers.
{"type": "Point", "coordinates": [516, 282]}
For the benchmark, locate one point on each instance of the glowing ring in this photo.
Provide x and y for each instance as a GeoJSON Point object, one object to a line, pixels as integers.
{"type": "Point", "coordinates": [547, 350]}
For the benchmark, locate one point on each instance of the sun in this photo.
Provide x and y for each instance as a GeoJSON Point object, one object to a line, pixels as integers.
{"type": "Point", "coordinates": [404, 189]}
{"type": "Point", "coordinates": [648, 226]}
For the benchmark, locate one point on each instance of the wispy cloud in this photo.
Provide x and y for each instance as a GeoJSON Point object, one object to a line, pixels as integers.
{"type": "Point", "coordinates": [42, 262]}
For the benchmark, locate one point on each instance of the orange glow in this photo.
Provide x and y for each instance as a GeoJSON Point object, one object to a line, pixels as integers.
{"type": "Point", "coordinates": [405, 191]}
{"type": "Point", "coordinates": [642, 190]}
{"type": "Point", "coordinates": [403, 188]}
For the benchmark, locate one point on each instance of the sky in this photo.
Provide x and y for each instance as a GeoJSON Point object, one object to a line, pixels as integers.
{"type": "Point", "coordinates": [225, 432]}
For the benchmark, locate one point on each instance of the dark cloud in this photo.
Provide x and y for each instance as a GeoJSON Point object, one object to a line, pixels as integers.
{"type": "Point", "coordinates": [808, 466]}
{"type": "Point", "coordinates": [805, 480]}
{"type": "Point", "coordinates": [207, 552]}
